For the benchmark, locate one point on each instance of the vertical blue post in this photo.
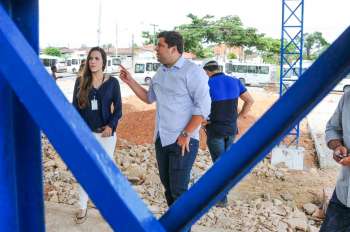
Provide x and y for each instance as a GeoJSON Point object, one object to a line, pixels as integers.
{"type": "Point", "coordinates": [20, 148]}
{"type": "Point", "coordinates": [291, 52]}
{"type": "Point", "coordinates": [8, 203]}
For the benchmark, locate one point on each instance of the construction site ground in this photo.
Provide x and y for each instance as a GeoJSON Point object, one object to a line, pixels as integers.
{"type": "Point", "coordinates": [263, 184]}
{"type": "Point", "coordinates": [137, 126]}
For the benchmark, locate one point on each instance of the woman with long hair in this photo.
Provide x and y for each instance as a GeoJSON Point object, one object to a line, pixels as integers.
{"type": "Point", "coordinates": [97, 98]}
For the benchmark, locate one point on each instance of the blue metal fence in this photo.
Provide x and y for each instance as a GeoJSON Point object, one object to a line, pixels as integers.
{"type": "Point", "coordinates": [24, 82]}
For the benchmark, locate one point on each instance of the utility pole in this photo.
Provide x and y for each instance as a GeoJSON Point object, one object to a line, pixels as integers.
{"type": "Point", "coordinates": [154, 34]}
{"type": "Point", "coordinates": [99, 23]}
{"type": "Point", "coordinates": [132, 51]}
{"type": "Point", "coordinates": [116, 40]}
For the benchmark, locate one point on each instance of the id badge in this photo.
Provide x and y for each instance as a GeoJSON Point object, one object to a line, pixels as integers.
{"type": "Point", "coordinates": [94, 105]}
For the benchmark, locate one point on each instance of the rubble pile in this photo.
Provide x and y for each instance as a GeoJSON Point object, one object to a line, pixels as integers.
{"type": "Point", "coordinates": [138, 163]}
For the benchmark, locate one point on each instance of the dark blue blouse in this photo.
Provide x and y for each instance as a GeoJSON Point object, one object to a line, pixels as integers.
{"type": "Point", "coordinates": [106, 95]}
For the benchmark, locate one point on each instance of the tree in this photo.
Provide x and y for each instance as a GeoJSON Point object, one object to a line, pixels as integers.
{"type": "Point", "coordinates": [149, 37]}
{"type": "Point", "coordinates": [203, 32]}
{"type": "Point", "coordinates": [228, 30]}
{"type": "Point", "coordinates": [52, 51]}
{"type": "Point", "coordinates": [314, 44]}
{"type": "Point", "coordinates": [269, 48]}
{"type": "Point", "coordinates": [231, 56]}
{"type": "Point", "coordinates": [196, 34]}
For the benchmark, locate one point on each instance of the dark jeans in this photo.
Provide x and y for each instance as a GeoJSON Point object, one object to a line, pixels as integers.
{"type": "Point", "coordinates": [217, 146]}
{"type": "Point", "coordinates": [337, 217]}
{"type": "Point", "coordinates": [175, 169]}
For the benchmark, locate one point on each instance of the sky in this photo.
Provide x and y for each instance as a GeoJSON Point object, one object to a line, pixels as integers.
{"type": "Point", "coordinates": [72, 23]}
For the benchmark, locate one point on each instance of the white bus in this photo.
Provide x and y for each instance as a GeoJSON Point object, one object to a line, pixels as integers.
{"type": "Point", "coordinates": [292, 73]}
{"type": "Point", "coordinates": [48, 61]}
{"type": "Point", "coordinates": [144, 70]}
{"type": "Point", "coordinates": [250, 73]}
{"type": "Point", "coordinates": [112, 65]}
{"type": "Point", "coordinates": [73, 63]}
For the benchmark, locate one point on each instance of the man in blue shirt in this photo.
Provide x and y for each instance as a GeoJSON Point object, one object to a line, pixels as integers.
{"type": "Point", "coordinates": [221, 127]}
{"type": "Point", "coordinates": [181, 92]}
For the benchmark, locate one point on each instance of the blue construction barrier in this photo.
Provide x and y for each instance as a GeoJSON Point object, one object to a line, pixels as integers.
{"type": "Point", "coordinates": [24, 82]}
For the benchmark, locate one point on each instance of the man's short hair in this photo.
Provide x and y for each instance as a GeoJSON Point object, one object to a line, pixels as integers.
{"type": "Point", "coordinates": [211, 66]}
{"type": "Point", "coordinates": [173, 38]}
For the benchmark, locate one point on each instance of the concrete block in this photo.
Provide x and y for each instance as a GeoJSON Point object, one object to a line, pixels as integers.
{"type": "Point", "coordinates": [292, 157]}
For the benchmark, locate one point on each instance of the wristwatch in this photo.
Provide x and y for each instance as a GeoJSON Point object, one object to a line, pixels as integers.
{"type": "Point", "coordinates": [184, 134]}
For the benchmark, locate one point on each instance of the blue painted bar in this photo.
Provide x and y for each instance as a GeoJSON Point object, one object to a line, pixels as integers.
{"type": "Point", "coordinates": [107, 187]}
{"type": "Point", "coordinates": [282, 50]}
{"type": "Point", "coordinates": [255, 144]}
{"type": "Point", "coordinates": [22, 148]}
{"type": "Point", "coordinates": [8, 201]}
{"type": "Point", "coordinates": [29, 178]}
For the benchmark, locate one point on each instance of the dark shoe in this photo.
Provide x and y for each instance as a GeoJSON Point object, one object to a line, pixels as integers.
{"type": "Point", "coordinates": [221, 204]}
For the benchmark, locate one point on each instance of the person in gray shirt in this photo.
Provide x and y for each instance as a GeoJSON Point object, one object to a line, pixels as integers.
{"type": "Point", "coordinates": [181, 92]}
{"type": "Point", "coordinates": [338, 139]}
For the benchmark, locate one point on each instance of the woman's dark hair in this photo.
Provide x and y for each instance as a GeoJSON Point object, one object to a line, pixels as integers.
{"type": "Point", "coordinates": [85, 81]}
{"type": "Point", "coordinates": [173, 38]}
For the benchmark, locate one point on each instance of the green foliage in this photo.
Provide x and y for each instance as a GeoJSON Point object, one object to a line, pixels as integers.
{"type": "Point", "coordinates": [149, 38]}
{"type": "Point", "coordinates": [52, 51]}
{"type": "Point", "coordinates": [314, 45]}
{"type": "Point", "coordinates": [229, 30]}
{"type": "Point", "coordinates": [231, 56]}
{"type": "Point", "coordinates": [269, 49]}
{"type": "Point", "coordinates": [196, 34]}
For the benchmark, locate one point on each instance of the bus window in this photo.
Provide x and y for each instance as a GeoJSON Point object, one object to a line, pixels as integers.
{"type": "Point", "coordinates": [139, 68]}
{"type": "Point", "coordinates": [109, 63]}
{"type": "Point", "coordinates": [74, 61]}
{"type": "Point", "coordinates": [69, 62]}
{"type": "Point", "coordinates": [49, 62]}
{"type": "Point", "coordinates": [149, 67]}
{"type": "Point", "coordinates": [240, 68]}
{"type": "Point", "coordinates": [156, 66]}
{"type": "Point", "coordinates": [252, 69]}
{"type": "Point", "coordinates": [46, 62]}
{"type": "Point", "coordinates": [234, 68]}
{"type": "Point", "coordinates": [116, 61]}
{"type": "Point", "coordinates": [228, 68]}
{"type": "Point", "coordinates": [221, 68]}
{"type": "Point", "coordinates": [263, 69]}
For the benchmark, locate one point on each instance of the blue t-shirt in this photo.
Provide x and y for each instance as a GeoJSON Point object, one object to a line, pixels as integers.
{"type": "Point", "coordinates": [224, 92]}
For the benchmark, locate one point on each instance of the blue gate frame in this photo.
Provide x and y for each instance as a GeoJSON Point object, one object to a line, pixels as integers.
{"type": "Point", "coordinates": [29, 100]}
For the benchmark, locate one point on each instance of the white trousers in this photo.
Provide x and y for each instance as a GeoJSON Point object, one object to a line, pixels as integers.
{"type": "Point", "coordinates": [108, 143]}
